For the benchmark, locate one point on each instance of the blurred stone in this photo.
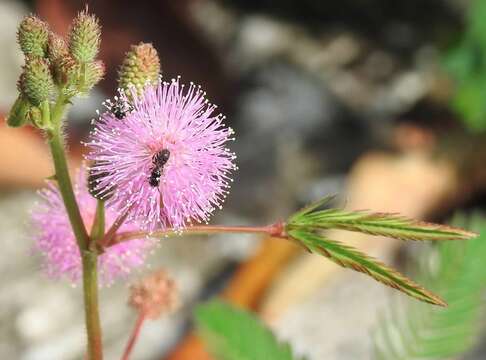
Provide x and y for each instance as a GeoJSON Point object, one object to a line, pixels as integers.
{"type": "Point", "coordinates": [337, 322]}
{"type": "Point", "coordinates": [289, 135]}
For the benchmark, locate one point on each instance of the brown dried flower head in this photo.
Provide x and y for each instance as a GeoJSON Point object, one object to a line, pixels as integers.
{"type": "Point", "coordinates": [154, 295]}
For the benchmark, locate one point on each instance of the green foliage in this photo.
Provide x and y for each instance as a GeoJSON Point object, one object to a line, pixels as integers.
{"type": "Point", "coordinates": [382, 224]}
{"type": "Point", "coordinates": [235, 334]}
{"type": "Point", "coordinates": [466, 63]}
{"type": "Point", "coordinates": [348, 257]}
{"type": "Point", "coordinates": [306, 227]}
{"type": "Point", "coordinates": [414, 331]}
{"type": "Point", "coordinates": [19, 114]}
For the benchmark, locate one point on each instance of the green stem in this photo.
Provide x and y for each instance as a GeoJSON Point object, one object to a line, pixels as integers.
{"type": "Point", "coordinates": [89, 258]}
{"type": "Point", "coordinates": [56, 144]}
{"type": "Point", "coordinates": [46, 115]}
{"type": "Point", "coordinates": [98, 228]}
{"type": "Point", "coordinates": [92, 318]}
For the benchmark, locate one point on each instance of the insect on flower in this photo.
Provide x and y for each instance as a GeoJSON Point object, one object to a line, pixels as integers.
{"type": "Point", "coordinates": [158, 160]}
{"type": "Point", "coordinates": [120, 107]}
{"type": "Point", "coordinates": [167, 158]}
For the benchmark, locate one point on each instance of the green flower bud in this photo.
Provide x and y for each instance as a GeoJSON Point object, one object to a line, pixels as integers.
{"type": "Point", "coordinates": [36, 82]}
{"type": "Point", "coordinates": [140, 67]}
{"type": "Point", "coordinates": [93, 73]}
{"type": "Point", "coordinates": [84, 37]}
{"type": "Point", "coordinates": [32, 36]}
{"type": "Point", "coordinates": [19, 114]}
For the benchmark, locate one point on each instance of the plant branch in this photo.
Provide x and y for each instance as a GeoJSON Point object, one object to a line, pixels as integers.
{"type": "Point", "coordinates": [92, 318]}
{"type": "Point", "coordinates": [56, 144]}
{"type": "Point", "coordinates": [89, 258]}
{"type": "Point", "coordinates": [98, 228]}
{"type": "Point", "coordinates": [110, 234]}
{"type": "Point", "coordinates": [275, 230]}
{"type": "Point", "coordinates": [134, 336]}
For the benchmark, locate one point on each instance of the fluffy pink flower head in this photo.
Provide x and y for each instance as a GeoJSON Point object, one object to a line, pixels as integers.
{"type": "Point", "coordinates": [164, 155]}
{"type": "Point", "coordinates": [55, 239]}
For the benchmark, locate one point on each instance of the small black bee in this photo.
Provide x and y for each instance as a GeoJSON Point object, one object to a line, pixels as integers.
{"type": "Point", "coordinates": [120, 109]}
{"type": "Point", "coordinates": [158, 160]}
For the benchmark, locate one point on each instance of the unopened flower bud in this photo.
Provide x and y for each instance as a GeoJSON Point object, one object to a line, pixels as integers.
{"type": "Point", "coordinates": [66, 73]}
{"type": "Point", "coordinates": [19, 114]}
{"type": "Point", "coordinates": [57, 48]}
{"type": "Point", "coordinates": [36, 82]}
{"type": "Point", "coordinates": [93, 73]}
{"type": "Point", "coordinates": [140, 67]}
{"type": "Point", "coordinates": [84, 37]}
{"type": "Point", "coordinates": [155, 295]}
{"type": "Point", "coordinates": [32, 36]}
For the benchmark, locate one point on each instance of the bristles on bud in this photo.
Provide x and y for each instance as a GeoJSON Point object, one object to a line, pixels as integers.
{"type": "Point", "coordinates": [84, 37]}
{"type": "Point", "coordinates": [93, 74]}
{"type": "Point", "coordinates": [36, 82]}
{"type": "Point", "coordinates": [140, 67]}
{"type": "Point", "coordinates": [57, 48]}
{"type": "Point", "coordinates": [32, 36]}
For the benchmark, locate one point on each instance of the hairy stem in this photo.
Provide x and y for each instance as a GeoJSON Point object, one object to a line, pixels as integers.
{"type": "Point", "coordinates": [56, 144]}
{"type": "Point", "coordinates": [134, 336]}
{"type": "Point", "coordinates": [89, 258]}
{"type": "Point", "coordinates": [275, 230]}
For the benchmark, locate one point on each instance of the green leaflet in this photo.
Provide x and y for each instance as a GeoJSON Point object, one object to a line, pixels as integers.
{"type": "Point", "coordinates": [235, 334]}
{"type": "Point", "coordinates": [306, 227]}
{"type": "Point", "coordinates": [414, 331]}
{"type": "Point", "coordinates": [348, 257]}
{"type": "Point", "coordinates": [382, 224]}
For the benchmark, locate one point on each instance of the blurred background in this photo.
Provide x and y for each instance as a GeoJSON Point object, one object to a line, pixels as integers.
{"type": "Point", "coordinates": [381, 102]}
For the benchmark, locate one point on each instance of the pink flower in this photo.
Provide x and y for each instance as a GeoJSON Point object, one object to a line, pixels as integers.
{"type": "Point", "coordinates": [55, 239]}
{"type": "Point", "coordinates": [164, 155]}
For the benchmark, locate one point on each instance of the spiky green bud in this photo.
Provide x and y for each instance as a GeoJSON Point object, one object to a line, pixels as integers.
{"type": "Point", "coordinates": [36, 82]}
{"type": "Point", "coordinates": [90, 76]}
{"type": "Point", "coordinates": [19, 114]}
{"type": "Point", "coordinates": [140, 67]}
{"type": "Point", "coordinates": [32, 36]}
{"type": "Point", "coordinates": [84, 37]}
